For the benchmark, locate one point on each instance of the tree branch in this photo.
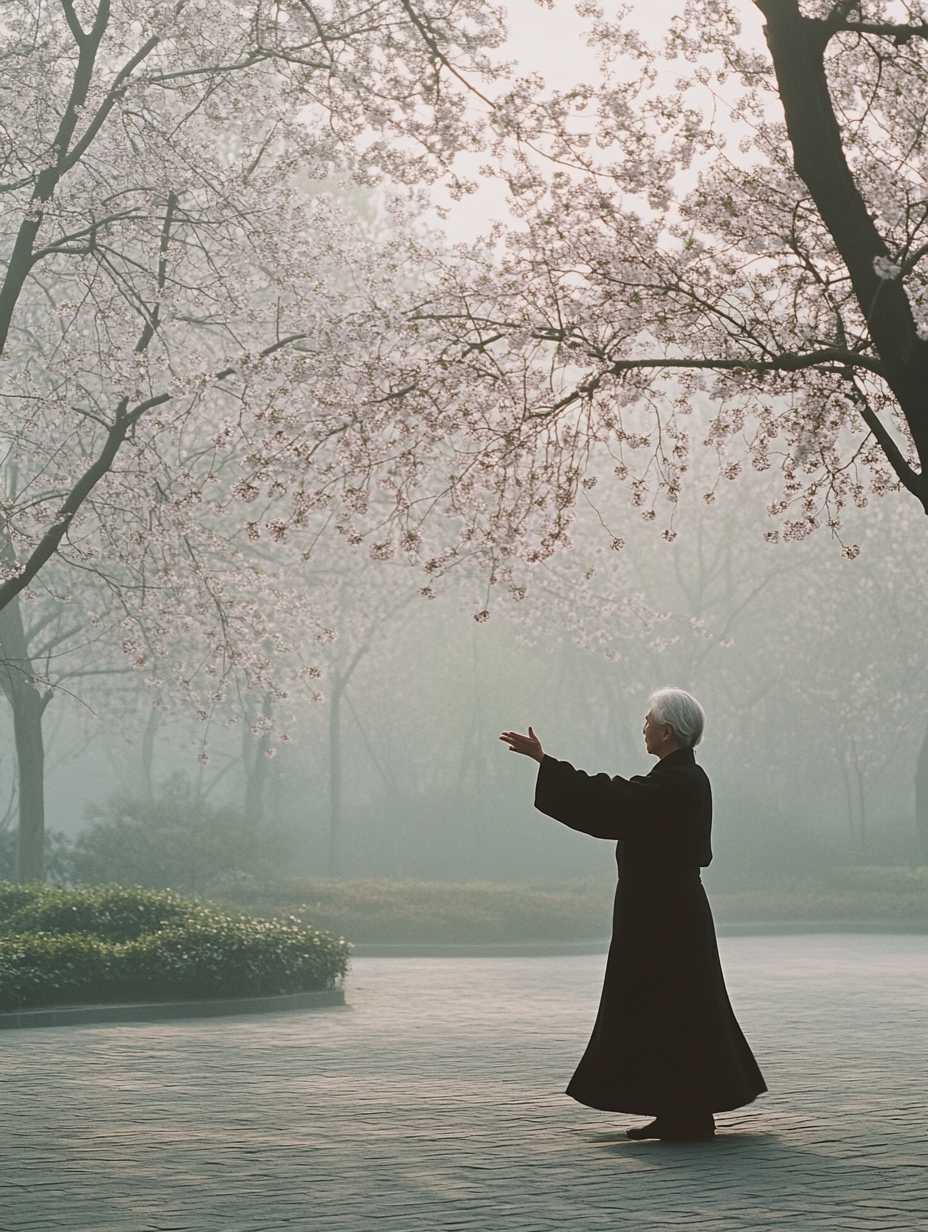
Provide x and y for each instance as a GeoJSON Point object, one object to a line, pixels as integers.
{"type": "Point", "coordinates": [48, 544]}
{"type": "Point", "coordinates": [152, 323]}
{"type": "Point", "coordinates": [90, 231]}
{"type": "Point", "coordinates": [899, 34]}
{"type": "Point", "coordinates": [275, 346]}
{"type": "Point", "coordinates": [115, 92]}
{"type": "Point", "coordinates": [788, 362]}
{"type": "Point", "coordinates": [909, 479]}
{"type": "Point", "coordinates": [440, 58]}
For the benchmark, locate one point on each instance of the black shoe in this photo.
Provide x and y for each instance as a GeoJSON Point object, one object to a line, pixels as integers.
{"type": "Point", "coordinates": [700, 1129]}
{"type": "Point", "coordinates": [684, 1133]}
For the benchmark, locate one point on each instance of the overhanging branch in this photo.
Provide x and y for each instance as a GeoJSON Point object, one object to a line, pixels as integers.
{"type": "Point", "coordinates": [117, 432]}
{"type": "Point", "coordinates": [909, 479]}
{"type": "Point", "coordinates": [899, 34]}
{"type": "Point", "coordinates": [788, 362]}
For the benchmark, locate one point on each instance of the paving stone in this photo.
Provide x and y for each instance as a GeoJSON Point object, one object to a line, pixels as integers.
{"type": "Point", "coordinates": [434, 1102]}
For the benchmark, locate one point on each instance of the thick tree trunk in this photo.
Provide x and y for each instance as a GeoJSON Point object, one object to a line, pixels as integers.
{"type": "Point", "coordinates": [20, 686]}
{"type": "Point", "coordinates": [921, 800]}
{"type": "Point", "coordinates": [797, 46]}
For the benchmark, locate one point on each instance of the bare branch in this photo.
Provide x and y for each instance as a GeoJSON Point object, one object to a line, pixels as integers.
{"type": "Point", "coordinates": [151, 324]}
{"type": "Point", "coordinates": [899, 34]}
{"type": "Point", "coordinates": [48, 545]}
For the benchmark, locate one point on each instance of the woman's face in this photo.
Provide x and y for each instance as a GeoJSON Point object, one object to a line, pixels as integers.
{"type": "Point", "coordinates": [657, 736]}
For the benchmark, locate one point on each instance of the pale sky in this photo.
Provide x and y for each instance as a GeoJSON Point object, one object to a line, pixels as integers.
{"type": "Point", "coordinates": [550, 42]}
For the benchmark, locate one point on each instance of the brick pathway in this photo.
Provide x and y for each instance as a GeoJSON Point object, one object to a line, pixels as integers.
{"type": "Point", "coordinates": [434, 1103]}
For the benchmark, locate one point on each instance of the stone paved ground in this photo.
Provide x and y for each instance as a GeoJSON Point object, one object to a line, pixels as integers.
{"type": "Point", "coordinates": [434, 1103]}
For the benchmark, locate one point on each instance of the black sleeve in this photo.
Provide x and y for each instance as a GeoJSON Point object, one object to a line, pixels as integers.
{"type": "Point", "coordinates": [610, 808]}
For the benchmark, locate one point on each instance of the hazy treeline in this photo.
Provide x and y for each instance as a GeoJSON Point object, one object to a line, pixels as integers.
{"type": "Point", "coordinates": [811, 668]}
{"type": "Point", "coordinates": [302, 503]}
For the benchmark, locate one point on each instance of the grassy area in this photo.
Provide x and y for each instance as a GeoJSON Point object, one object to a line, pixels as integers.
{"type": "Point", "coordinates": [435, 911]}
{"type": "Point", "coordinates": [869, 892]}
{"type": "Point", "coordinates": [430, 911]}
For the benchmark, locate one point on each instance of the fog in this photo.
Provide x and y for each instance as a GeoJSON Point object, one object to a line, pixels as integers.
{"type": "Point", "coordinates": [811, 668]}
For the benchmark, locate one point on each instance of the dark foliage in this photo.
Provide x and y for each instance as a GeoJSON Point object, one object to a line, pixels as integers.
{"type": "Point", "coordinates": [58, 860]}
{"type": "Point", "coordinates": [109, 912]}
{"type": "Point", "coordinates": [177, 840]}
{"type": "Point", "coordinates": [111, 944]}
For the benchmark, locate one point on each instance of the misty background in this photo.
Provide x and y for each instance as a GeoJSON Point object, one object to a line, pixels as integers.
{"type": "Point", "coordinates": [811, 668]}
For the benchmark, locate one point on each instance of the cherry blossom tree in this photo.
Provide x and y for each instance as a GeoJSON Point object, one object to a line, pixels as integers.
{"type": "Point", "coordinates": [159, 250]}
{"type": "Point", "coordinates": [188, 339]}
{"type": "Point", "coordinates": [645, 267]}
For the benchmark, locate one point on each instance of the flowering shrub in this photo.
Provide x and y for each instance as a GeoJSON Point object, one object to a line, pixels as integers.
{"type": "Point", "coordinates": [109, 912]}
{"type": "Point", "coordinates": [112, 943]}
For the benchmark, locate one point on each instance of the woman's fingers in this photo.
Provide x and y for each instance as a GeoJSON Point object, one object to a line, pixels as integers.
{"type": "Point", "coordinates": [520, 743]}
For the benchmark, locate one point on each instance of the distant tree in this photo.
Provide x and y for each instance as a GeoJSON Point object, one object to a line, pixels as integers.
{"type": "Point", "coordinates": [363, 600]}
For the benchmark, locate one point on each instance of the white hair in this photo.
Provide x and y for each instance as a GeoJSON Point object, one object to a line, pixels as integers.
{"type": "Point", "coordinates": [681, 711]}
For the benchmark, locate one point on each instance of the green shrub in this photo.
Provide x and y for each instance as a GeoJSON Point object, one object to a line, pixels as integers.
{"type": "Point", "coordinates": [13, 897]}
{"type": "Point", "coordinates": [110, 912]}
{"type": "Point", "coordinates": [113, 943]}
{"type": "Point", "coordinates": [219, 955]}
{"type": "Point", "coordinates": [44, 968]}
{"type": "Point", "coordinates": [178, 840]}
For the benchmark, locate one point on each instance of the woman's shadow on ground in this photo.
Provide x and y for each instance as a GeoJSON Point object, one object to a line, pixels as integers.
{"type": "Point", "coordinates": [760, 1170]}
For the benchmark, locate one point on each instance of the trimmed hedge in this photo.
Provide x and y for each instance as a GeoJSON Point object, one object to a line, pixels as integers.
{"type": "Point", "coordinates": [113, 943]}
{"type": "Point", "coordinates": [110, 912]}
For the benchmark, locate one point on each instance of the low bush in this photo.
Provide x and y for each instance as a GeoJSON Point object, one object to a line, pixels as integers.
{"type": "Point", "coordinates": [112, 943]}
{"type": "Point", "coordinates": [110, 912]}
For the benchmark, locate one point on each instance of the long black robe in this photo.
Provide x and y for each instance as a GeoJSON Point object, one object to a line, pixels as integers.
{"type": "Point", "coordinates": [666, 1041]}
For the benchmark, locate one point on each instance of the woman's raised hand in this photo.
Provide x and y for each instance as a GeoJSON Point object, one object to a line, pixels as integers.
{"type": "Point", "coordinates": [528, 745]}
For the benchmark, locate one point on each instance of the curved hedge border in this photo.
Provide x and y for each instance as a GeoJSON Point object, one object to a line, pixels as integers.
{"type": "Point", "coordinates": [112, 943]}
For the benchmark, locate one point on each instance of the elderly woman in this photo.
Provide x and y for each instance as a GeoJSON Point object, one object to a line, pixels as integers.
{"type": "Point", "coordinates": [666, 1043]}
